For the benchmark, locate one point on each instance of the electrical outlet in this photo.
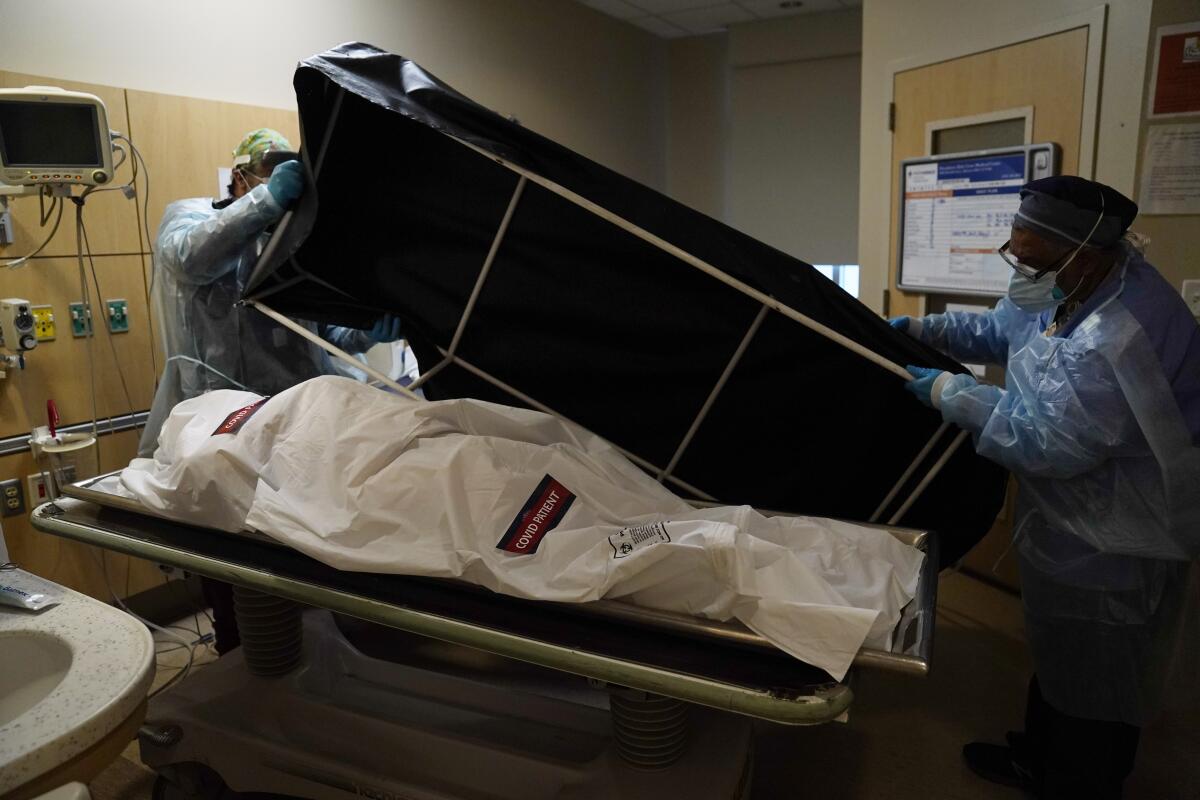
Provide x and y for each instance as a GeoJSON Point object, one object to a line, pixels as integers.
{"type": "Point", "coordinates": [1191, 295]}
{"type": "Point", "coordinates": [12, 499]}
{"type": "Point", "coordinates": [80, 324]}
{"type": "Point", "coordinates": [43, 322]}
{"type": "Point", "coordinates": [118, 316]}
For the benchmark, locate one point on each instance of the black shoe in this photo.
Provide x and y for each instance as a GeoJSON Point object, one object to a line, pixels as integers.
{"type": "Point", "coordinates": [994, 762]}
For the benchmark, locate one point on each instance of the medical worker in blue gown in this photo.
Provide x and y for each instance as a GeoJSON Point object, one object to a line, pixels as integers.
{"type": "Point", "coordinates": [1099, 420]}
{"type": "Point", "coordinates": [204, 254]}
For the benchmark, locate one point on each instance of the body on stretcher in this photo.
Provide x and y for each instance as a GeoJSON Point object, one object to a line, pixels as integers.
{"type": "Point", "coordinates": [516, 501]}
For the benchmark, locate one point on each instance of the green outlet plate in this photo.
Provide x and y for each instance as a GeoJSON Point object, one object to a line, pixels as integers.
{"type": "Point", "coordinates": [118, 316]}
{"type": "Point", "coordinates": [79, 325]}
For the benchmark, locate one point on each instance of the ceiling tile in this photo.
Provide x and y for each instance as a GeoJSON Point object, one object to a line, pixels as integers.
{"type": "Point", "coordinates": [658, 27]}
{"type": "Point", "coordinates": [707, 20]}
{"type": "Point", "coordinates": [614, 8]}
{"type": "Point", "coordinates": [771, 8]}
{"type": "Point", "coordinates": [662, 7]}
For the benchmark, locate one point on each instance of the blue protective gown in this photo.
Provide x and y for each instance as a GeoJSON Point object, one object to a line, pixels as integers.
{"type": "Point", "coordinates": [1099, 421]}
{"type": "Point", "coordinates": [203, 258]}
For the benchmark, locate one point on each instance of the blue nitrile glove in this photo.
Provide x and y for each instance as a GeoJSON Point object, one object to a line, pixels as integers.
{"type": "Point", "coordinates": [922, 384]}
{"type": "Point", "coordinates": [287, 182]}
{"type": "Point", "coordinates": [386, 329]}
{"type": "Point", "coordinates": [900, 323]}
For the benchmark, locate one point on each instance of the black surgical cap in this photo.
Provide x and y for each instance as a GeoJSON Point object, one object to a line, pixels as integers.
{"type": "Point", "coordinates": [1066, 207]}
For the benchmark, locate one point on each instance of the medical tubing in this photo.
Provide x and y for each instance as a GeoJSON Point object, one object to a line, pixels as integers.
{"type": "Point", "coordinates": [703, 266]}
{"type": "Point", "coordinates": [111, 345]}
{"type": "Point", "coordinates": [89, 329]}
{"type": "Point", "coordinates": [190, 645]}
{"type": "Point", "coordinates": [213, 369]}
{"type": "Point", "coordinates": [58, 219]}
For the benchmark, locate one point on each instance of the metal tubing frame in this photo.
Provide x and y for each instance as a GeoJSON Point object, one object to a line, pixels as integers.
{"type": "Point", "coordinates": [933, 472]}
{"type": "Point", "coordinates": [916, 462]}
{"type": "Point", "coordinates": [691, 260]}
{"type": "Point", "coordinates": [712, 396]}
{"type": "Point", "coordinates": [332, 349]}
{"type": "Point", "coordinates": [545, 409]}
{"type": "Point", "coordinates": [478, 287]}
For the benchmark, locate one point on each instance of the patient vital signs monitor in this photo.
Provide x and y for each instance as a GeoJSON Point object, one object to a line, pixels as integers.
{"type": "Point", "coordinates": [51, 136]}
{"type": "Point", "coordinates": [956, 209]}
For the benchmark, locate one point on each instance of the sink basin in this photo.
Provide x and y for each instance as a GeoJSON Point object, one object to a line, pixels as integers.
{"type": "Point", "coordinates": [73, 684]}
{"type": "Point", "coordinates": [31, 666]}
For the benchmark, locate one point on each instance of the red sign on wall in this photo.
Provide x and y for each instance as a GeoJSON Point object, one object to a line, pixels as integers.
{"type": "Point", "coordinates": [1175, 88]}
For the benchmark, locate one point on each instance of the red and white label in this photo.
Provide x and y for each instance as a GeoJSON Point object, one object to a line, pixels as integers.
{"type": "Point", "coordinates": [234, 422]}
{"type": "Point", "coordinates": [543, 510]}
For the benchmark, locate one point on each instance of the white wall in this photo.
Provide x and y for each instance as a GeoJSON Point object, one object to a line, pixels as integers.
{"type": "Point", "coordinates": [587, 80]}
{"type": "Point", "coordinates": [793, 170]}
{"type": "Point", "coordinates": [767, 64]}
{"type": "Point", "coordinates": [698, 122]}
{"type": "Point", "coordinates": [893, 31]}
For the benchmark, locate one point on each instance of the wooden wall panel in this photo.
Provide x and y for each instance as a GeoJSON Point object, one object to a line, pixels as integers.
{"type": "Point", "coordinates": [185, 140]}
{"type": "Point", "coordinates": [111, 219]}
{"type": "Point", "coordinates": [58, 369]}
{"type": "Point", "coordinates": [67, 562]}
{"type": "Point", "coordinates": [1046, 73]}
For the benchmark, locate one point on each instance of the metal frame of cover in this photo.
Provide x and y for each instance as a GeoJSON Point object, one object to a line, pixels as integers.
{"type": "Point", "coordinates": [662, 473]}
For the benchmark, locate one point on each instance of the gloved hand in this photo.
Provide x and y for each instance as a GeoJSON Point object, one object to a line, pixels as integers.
{"type": "Point", "coordinates": [287, 182]}
{"type": "Point", "coordinates": [900, 323]}
{"type": "Point", "coordinates": [386, 329]}
{"type": "Point", "coordinates": [923, 382]}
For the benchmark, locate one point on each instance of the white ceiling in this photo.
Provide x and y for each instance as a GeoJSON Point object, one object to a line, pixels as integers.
{"type": "Point", "coordinates": [672, 19]}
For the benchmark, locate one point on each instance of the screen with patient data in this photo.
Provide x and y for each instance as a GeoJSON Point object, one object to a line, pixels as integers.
{"type": "Point", "coordinates": [956, 213]}
{"type": "Point", "coordinates": [49, 135]}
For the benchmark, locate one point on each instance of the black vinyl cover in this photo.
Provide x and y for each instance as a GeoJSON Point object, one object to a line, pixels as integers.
{"type": "Point", "coordinates": [608, 330]}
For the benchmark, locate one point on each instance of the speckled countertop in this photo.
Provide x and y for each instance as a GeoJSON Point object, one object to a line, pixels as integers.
{"type": "Point", "coordinates": [112, 666]}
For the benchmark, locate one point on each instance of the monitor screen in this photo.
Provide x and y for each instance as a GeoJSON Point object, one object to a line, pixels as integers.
{"type": "Point", "coordinates": [957, 211]}
{"type": "Point", "coordinates": [49, 135]}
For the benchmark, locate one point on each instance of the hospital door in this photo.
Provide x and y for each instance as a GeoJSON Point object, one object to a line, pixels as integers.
{"type": "Point", "coordinates": [1032, 91]}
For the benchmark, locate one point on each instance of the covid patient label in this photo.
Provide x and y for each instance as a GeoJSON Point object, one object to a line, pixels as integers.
{"type": "Point", "coordinates": [543, 510]}
{"type": "Point", "coordinates": [630, 540]}
{"type": "Point", "coordinates": [234, 422]}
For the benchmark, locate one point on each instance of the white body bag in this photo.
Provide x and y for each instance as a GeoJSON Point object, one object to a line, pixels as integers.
{"type": "Point", "coordinates": [517, 501]}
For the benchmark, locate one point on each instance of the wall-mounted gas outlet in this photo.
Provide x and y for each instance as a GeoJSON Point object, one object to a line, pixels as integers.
{"type": "Point", "coordinates": [118, 316]}
{"type": "Point", "coordinates": [43, 323]}
{"type": "Point", "coordinates": [12, 499]}
{"type": "Point", "coordinates": [1191, 295]}
{"type": "Point", "coordinates": [81, 323]}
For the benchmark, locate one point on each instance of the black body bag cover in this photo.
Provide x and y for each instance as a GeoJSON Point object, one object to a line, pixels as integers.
{"type": "Point", "coordinates": [601, 326]}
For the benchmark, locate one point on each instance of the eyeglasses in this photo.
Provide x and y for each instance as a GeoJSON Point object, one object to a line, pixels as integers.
{"type": "Point", "coordinates": [1030, 272]}
{"type": "Point", "coordinates": [247, 175]}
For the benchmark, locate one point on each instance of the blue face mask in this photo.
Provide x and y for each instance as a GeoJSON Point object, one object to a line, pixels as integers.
{"type": "Point", "coordinates": [1034, 296]}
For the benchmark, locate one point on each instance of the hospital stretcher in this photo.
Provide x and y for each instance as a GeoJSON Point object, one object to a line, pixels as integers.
{"type": "Point", "coordinates": [639, 656]}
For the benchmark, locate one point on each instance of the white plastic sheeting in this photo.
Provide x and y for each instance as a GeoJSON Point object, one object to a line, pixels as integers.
{"type": "Point", "coordinates": [517, 501]}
